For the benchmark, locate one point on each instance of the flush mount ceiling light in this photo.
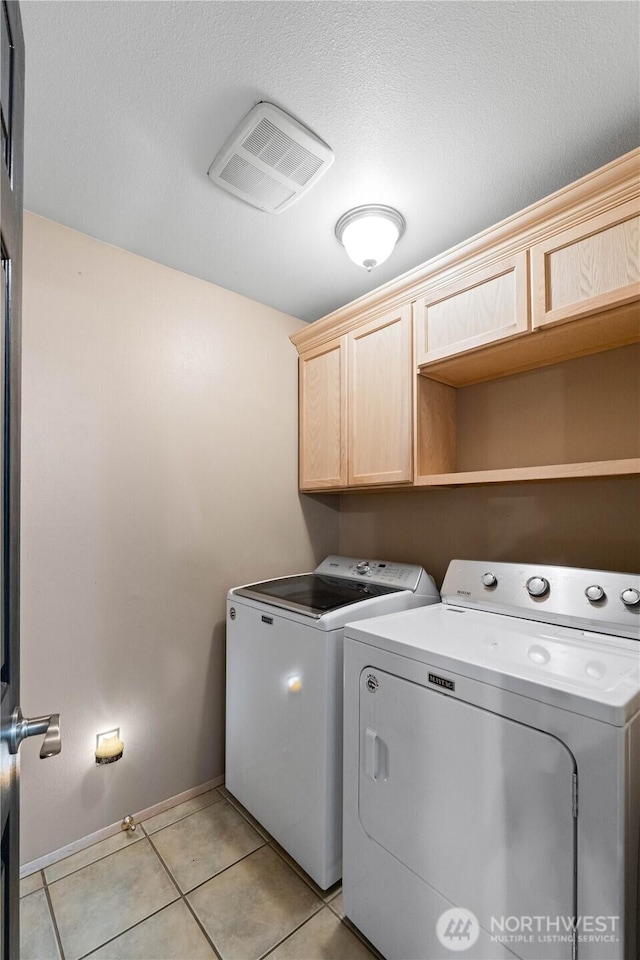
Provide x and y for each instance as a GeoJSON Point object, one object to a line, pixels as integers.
{"type": "Point", "coordinates": [369, 233]}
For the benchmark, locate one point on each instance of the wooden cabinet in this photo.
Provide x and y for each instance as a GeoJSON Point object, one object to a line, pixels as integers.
{"type": "Point", "coordinates": [587, 269]}
{"type": "Point", "coordinates": [323, 416]}
{"type": "Point", "coordinates": [356, 407]}
{"type": "Point", "coordinates": [380, 378]}
{"type": "Point", "coordinates": [512, 357]}
{"type": "Point", "coordinates": [482, 307]}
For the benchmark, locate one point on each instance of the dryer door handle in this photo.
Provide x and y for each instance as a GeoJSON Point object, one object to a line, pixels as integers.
{"type": "Point", "coordinates": [376, 762]}
{"type": "Point", "coordinates": [370, 753]}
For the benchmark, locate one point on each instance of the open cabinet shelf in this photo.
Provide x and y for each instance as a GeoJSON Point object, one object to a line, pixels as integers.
{"type": "Point", "coordinates": [554, 471]}
{"type": "Point", "coordinates": [579, 418]}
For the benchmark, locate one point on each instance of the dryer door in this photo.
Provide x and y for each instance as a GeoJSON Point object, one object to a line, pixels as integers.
{"type": "Point", "coordinates": [479, 807]}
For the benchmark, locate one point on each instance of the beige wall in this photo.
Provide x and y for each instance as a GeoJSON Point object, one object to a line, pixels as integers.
{"type": "Point", "coordinates": [584, 523]}
{"type": "Point", "coordinates": [159, 469]}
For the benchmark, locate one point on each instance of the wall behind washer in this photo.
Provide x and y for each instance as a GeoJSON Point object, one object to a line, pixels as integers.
{"type": "Point", "coordinates": [583, 523]}
{"type": "Point", "coordinates": [159, 469]}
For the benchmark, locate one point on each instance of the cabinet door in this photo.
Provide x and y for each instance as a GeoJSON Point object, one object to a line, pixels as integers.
{"type": "Point", "coordinates": [589, 268]}
{"type": "Point", "coordinates": [480, 308]}
{"type": "Point", "coordinates": [380, 400]}
{"type": "Point", "coordinates": [323, 416]}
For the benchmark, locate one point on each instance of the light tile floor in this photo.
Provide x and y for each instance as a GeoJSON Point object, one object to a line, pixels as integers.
{"type": "Point", "coordinates": [199, 881]}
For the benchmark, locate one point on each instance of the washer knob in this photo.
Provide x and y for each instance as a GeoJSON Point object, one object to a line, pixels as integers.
{"type": "Point", "coordinates": [537, 586]}
{"type": "Point", "coordinates": [489, 579]}
{"type": "Point", "coordinates": [363, 567]}
{"type": "Point", "coordinates": [594, 593]}
{"type": "Point", "coordinates": [630, 597]}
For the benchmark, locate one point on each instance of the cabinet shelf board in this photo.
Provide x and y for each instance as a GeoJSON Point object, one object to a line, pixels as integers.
{"type": "Point", "coordinates": [557, 471]}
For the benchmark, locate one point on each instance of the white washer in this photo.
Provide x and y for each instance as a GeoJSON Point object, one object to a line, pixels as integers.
{"type": "Point", "coordinates": [492, 764]}
{"type": "Point", "coordinates": [284, 696]}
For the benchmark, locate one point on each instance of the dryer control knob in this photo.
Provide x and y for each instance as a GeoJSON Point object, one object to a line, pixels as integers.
{"type": "Point", "coordinates": [630, 597]}
{"type": "Point", "coordinates": [489, 579]}
{"type": "Point", "coordinates": [595, 592]}
{"type": "Point", "coordinates": [537, 586]}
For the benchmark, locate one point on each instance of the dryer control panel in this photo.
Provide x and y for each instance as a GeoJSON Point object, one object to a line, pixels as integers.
{"type": "Point", "coordinates": [599, 600]}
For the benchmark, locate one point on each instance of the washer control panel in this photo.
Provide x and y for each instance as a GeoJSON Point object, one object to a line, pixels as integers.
{"type": "Point", "coordinates": [599, 600]}
{"type": "Point", "coordinates": [403, 576]}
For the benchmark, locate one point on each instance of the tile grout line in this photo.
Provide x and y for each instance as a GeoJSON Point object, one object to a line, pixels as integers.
{"type": "Point", "coordinates": [214, 876]}
{"type": "Point", "coordinates": [247, 816]}
{"type": "Point", "coordinates": [90, 864]}
{"type": "Point", "coordinates": [272, 843]}
{"type": "Point", "coordinates": [265, 843]}
{"type": "Point", "coordinates": [219, 799]}
{"type": "Point", "coordinates": [315, 913]}
{"type": "Point", "coordinates": [361, 937]}
{"type": "Point", "coordinates": [24, 896]}
{"type": "Point", "coordinates": [335, 912]}
{"type": "Point", "coordinates": [183, 896]}
{"type": "Point", "coordinates": [327, 903]}
{"type": "Point", "coordinates": [302, 876]}
{"type": "Point", "coordinates": [128, 930]}
{"type": "Point", "coordinates": [133, 925]}
{"type": "Point", "coordinates": [112, 852]}
{"type": "Point", "coordinates": [54, 922]}
{"type": "Point", "coordinates": [297, 869]}
{"type": "Point", "coordinates": [180, 897]}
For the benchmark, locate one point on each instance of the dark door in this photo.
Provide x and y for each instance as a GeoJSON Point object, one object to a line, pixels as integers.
{"type": "Point", "coordinates": [12, 69]}
{"type": "Point", "coordinates": [14, 727]}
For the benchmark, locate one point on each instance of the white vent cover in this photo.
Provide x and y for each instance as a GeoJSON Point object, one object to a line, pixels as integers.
{"type": "Point", "coordinates": [270, 160]}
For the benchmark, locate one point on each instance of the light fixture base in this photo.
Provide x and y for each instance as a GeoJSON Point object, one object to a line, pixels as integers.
{"type": "Point", "coordinates": [370, 210]}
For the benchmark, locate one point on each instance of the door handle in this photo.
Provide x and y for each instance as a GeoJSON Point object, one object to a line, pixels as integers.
{"type": "Point", "coordinates": [376, 756]}
{"type": "Point", "coordinates": [23, 727]}
{"type": "Point", "coordinates": [370, 753]}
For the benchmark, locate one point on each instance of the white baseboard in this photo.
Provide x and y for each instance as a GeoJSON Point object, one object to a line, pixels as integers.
{"type": "Point", "coordinates": [114, 828]}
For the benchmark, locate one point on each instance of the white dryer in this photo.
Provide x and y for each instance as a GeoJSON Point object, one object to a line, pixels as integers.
{"type": "Point", "coordinates": [492, 768]}
{"type": "Point", "coordinates": [284, 696]}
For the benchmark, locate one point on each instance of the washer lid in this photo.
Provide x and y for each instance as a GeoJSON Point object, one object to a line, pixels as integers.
{"type": "Point", "coordinates": [587, 673]}
{"type": "Point", "coordinates": [313, 595]}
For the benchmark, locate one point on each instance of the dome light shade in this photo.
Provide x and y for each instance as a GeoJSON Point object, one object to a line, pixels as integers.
{"type": "Point", "coordinates": [370, 233]}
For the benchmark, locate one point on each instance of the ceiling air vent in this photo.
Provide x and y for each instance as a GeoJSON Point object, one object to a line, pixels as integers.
{"type": "Point", "coordinates": [270, 160]}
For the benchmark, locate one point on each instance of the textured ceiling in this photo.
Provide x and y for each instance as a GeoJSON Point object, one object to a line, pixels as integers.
{"type": "Point", "coordinates": [458, 114]}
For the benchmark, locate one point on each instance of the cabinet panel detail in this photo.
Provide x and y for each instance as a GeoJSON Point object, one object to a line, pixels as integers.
{"type": "Point", "coordinates": [323, 417]}
{"type": "Point", "coordinates": [380, 401]}
{"type": "Point", "coordinates": [588, 269]}
{"type": "Point", "coordinates": [483, 307]}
